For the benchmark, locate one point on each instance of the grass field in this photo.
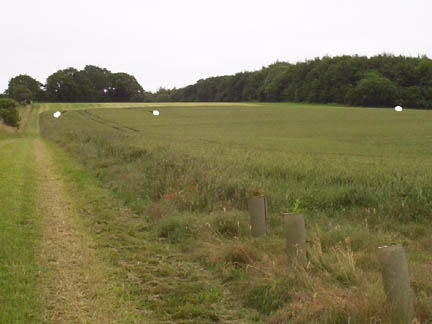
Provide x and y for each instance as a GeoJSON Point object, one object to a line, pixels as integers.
{"type": "Point", "coordinates": [362, 177]}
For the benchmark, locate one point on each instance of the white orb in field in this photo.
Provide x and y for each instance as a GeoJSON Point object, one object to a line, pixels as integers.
{"type": "Point", "coordinates": [155, 112]}
{"type": "Point", "coordinates": [57, 114]}
{"type": "Point", "coordinates": [398, 108]}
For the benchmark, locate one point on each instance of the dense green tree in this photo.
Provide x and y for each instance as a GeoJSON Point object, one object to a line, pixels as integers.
{"type": "Point", "coordinates": [162, 95]}
{"type": "Point", "coordinates": [86, 91]}
{"type": "Point", "coordinates": [16, 88]}
{"type": "Point", "coordinates": [253, 83]}
{"type": "Point", "coordinates": [412, 97]}
{"type": "Point", "coordinates": [424, 71]}
{"type": "Point", "coordinates": [61, 86]}
{"type": "Point", "coordinates": [94, 84]}
{"type": "Point", "coordinates": [240, 81]}
{"type": "Point", "coordinates": [207, 89]}
{"type": "Point", "coordinates": [189, 93]}
{"type": "Point", "coordinates": [99, 79]}
{"type": "Point", "coordinates": [9, 113]}
{"type": "Point", "coordinates": [22, 94]}
{"type": "Point", "coordinates": [375, 90]}
{"type": "Point", "coordinates": [275, 82]}
{"type": "Point", "coordinates": [225, 89]}
{"type": "Point", "coordinates": [122, 87]}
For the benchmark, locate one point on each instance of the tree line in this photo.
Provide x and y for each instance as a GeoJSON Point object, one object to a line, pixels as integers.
{"type": "Point", "coordinates": [91, 84]}
{"type": "Point", "coordinates": [379, 81]}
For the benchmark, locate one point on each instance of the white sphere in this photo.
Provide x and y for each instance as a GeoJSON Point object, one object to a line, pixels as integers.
{"type": "Point", "coordinates": [57, 114]}
{"type": "Point", "coordinates": [398, 108]}
{"type": "Point", "coordinates": [155, 112]}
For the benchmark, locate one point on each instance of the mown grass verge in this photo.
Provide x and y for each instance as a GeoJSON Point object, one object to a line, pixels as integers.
{"type": "Point", "coordinates": [192, 205]}
{"type": "Point", "coordinates": [19, 234]}
{"type": "Point", "coordinates": [19, 224]}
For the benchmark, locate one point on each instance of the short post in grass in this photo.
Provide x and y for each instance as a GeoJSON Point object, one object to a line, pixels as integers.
{"type": "Point", "coordinates": [396, 283]}
{"type": "Point", "coordinates": [295, 232]}
{"type": "Point", "coordinates": [257, 207]}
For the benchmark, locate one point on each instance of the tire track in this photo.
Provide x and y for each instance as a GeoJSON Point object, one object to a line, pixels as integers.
{"type": "Point", "coordinates": [106, 122]}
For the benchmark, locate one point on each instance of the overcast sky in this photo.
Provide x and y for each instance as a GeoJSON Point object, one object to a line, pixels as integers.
{"type": "Point", "coordinates": [173, 43]}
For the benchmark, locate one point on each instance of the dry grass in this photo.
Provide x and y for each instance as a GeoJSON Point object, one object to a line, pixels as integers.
{"type": "Point", "coordinates": [75, 284]}
{"type": "Point", "coordinates": [157, 211]}
{"type": "Point", "coordinates": [7, 129]}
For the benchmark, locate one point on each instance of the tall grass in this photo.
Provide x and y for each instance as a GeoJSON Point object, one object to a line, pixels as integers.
{"type": "Point", "coordinates": [226, 160]}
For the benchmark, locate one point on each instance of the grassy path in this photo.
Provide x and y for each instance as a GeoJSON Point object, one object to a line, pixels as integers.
{"type": "Point", "coordinates": [48, 269]}
{"type": "Point", "coordinates": [19, 233]}
{"type": "Point", "coordinates": [75, 283]}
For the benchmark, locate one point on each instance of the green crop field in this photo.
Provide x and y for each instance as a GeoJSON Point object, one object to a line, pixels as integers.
{"type": "Point", "coordinates": [362, 176]}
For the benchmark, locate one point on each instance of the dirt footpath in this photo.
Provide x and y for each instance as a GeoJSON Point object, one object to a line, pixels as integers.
{"type": "Point", "coordinates": [74, 283]}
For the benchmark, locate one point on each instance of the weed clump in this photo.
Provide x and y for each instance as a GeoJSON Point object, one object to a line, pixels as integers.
{"type": "Point", "coordinates": [240, 255]}
{"type": "Point", "coordinates": [177, 229]}
{"type": "Point", "coordinates": [158, 211]}
{"type": "Point", "coordinates": [193, 301]}
{"type": "Point", "coordinates": [267, 297]}
{"type": "Point", "coordinates": [230, 224]}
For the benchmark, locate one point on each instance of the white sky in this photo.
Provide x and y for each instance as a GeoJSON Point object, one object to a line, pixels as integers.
{"type": "Point", "coordinates": [174, 43]}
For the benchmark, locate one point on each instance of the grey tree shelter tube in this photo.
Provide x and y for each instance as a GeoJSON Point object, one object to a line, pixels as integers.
{"type": "Point", "coordinates": [257, 207]}
{"type": "Point", "coordinates": [397, 283]}
{"type": "Point", "coordinates": [295, 232]}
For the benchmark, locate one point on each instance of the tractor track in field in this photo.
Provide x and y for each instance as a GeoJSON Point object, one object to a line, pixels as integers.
{"type": "Point", "coordinates": [106, 122]}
